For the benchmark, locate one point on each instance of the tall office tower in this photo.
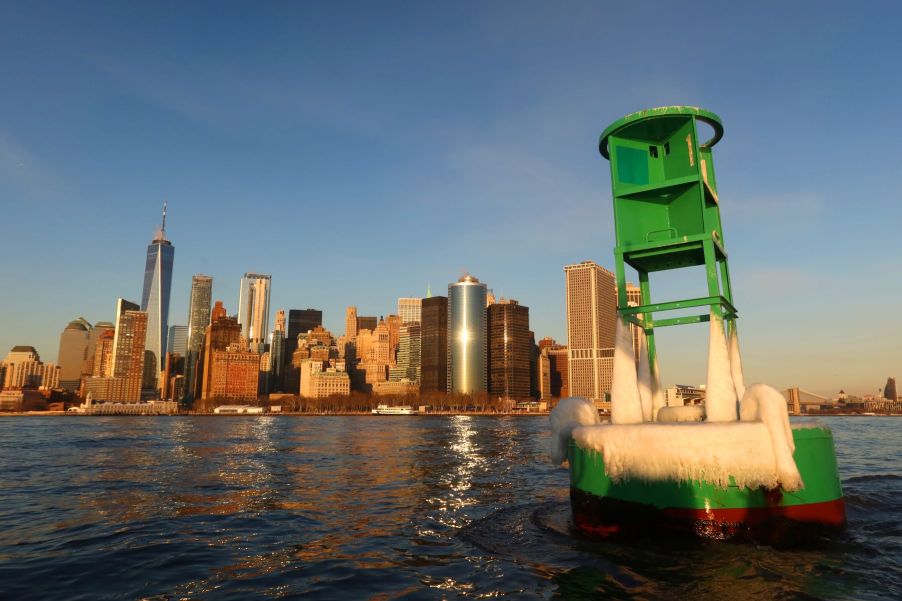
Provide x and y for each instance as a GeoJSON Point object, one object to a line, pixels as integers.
{"type": "Point", "coordinates": [591, 323]}
{"type": "Point", "coordinates": [199, 310]}
{"type": "Point", "coordinates": [277, 358]}
{"type": "Point", "coordinates": [367, 322]}
{"type": "Point", "coordinates": [222, 333]}
{"type": "Point", "coordinates": [393, 323]}
{"type": "Point", "coordinates": [508, 350]}
{"type": "Point", "coordinates": [253, 309]}
{"type": "Point", "coordinates": [198, 319]}
{"type": "Point", "coordinates": [434, 344]}
{"type": "Point", "coordinates": [128, 351]}
{"type": "Point", "coordinates": [177, 342]}
{"type": "Point", "coordinates": [74, 343]}
{"type": "Point", "coordinates": [351, 323]}
{"type": "Point", "coordinates": [409, 309]}
{"type": "Point", "coordinates": [103, 355]}
{"type": "Point", "coordinates": [301, 321]}
{"type": "Point", "coordinates": [155, 302]}
{"type": "Point", "coordinates": [889, 391]}
{"type": "Point", "coordinates": [467, 336]}
{"type": "Point", "coordinates": [280, 321]}
{"type": "Point", "coordinates": [409, 354]}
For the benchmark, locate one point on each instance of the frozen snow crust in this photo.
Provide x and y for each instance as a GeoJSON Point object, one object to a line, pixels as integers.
{"type": "Point", "coordinates": [745, 439]}
{"type": "Point", "coordinates": [756, 452]}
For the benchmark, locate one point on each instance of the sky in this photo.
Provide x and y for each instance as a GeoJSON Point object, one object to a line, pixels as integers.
{"type": "Point", "coordinates": [359, 152]}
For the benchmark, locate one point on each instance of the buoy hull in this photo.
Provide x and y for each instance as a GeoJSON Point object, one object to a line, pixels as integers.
{"type": "Point", "coordinates": [608, 509]}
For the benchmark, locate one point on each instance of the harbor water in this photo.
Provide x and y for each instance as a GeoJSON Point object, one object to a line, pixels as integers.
{"type": "Point", "coordinates": [382, 507]}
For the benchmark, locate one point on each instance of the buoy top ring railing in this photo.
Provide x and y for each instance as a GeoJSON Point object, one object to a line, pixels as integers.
{"type": "Point", "coordinates": [663, 111]}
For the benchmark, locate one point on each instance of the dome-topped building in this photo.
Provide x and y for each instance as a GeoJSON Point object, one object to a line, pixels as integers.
{"type": "Point", "coordinates": [75, 342]}
{"type": "Point", "coordinates": [81, 324]}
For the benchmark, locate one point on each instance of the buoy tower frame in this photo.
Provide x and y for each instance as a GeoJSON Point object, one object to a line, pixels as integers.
{"type": "Point", "coordinates": [666, 212]}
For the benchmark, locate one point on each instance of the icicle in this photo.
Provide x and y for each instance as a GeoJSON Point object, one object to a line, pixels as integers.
{"type": "Point", "coordinates": [658, 401]}
{"type": "Point", "coordinates": [766, 404]}
{"type": "Point", "coordinates": [720, 393]}
{"type": "Point", "coordinates": [646, 387]}
{"type": "Point", "coordinates": [626, 408]}
{"type": "Point", "coordinates": [569, 413]}
{"type": "Point", "coordinates": [736, 361]}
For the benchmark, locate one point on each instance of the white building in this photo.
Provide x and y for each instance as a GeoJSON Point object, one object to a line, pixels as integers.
{"type": "Point", "coordinates": [319, 381]}
{"type": "Point", "coordinates": [682, 394]}
{"type": "Point", "coordinates": [410, 309]}
{"type": "Point", "coordinates": [253, 309]}
{"type": "Point", "coordinates": [23, 369]}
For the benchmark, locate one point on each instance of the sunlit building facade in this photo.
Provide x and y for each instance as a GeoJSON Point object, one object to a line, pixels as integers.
{"type": "Point", "coordinates": [234, 374]}
{"type": "Point", "coordinates": [122, 380]}
{"type": "Point", "coordinates": [222, 333]}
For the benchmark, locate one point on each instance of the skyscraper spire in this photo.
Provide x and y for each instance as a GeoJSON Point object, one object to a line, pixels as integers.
{"type": "Point", "coordinates": [163, 228]}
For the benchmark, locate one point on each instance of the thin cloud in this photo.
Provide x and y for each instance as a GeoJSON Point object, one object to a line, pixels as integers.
{"type": "Point", "coordinates": [779, 212]}
{"type": "Point", "coordinates": [24, 170]}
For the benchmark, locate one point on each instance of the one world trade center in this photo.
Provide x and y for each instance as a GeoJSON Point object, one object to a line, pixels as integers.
{"type": "Point", "coordinates": [155, 301]}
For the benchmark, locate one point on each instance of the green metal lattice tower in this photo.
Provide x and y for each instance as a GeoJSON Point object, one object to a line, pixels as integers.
{"type": "Point", "coordinates": [666, 211]}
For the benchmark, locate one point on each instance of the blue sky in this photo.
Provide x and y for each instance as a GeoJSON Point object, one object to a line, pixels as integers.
{"type": "Point", "coordinates": [358, 151]}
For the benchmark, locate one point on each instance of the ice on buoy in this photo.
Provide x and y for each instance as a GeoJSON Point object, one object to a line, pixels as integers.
{"type": "Point", "coordinates": [736, 362]}
{"type": "Point", "coordinates": [720, 393]}
{"type": "Point", "coordinates": [567, 415]}
{"type": "Point", "coordinates": [686, 413]}
{"type": "Point", "coordinates": [626, 406]}
{"type": "Point", "coordinates": [646, 385]}
{"type": "Point", "coordinates": [658, 400]}
{"type": "Point", "coordinates": [766, 404]}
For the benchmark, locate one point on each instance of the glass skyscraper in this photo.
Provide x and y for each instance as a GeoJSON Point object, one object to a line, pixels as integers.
{"type": "Point", "coordinates": [155, 302]}
{"type": "Point", "coordinates": [198, 320]}
{"type": "Point", "coordinates": [467, 336]}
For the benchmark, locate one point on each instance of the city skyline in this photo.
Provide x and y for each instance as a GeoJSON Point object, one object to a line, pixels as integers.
{"type": "Point", "coordinates": [482, 166]}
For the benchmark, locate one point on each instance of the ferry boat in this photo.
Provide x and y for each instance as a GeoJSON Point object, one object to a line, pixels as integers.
{"type": "Point", "coordinates": [734, 468]}
{"type": "Point", "coordinates": [394, 410]}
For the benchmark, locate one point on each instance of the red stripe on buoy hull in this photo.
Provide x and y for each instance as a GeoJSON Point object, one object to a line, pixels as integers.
{"type": "Point", "coordinates": [787, 525]}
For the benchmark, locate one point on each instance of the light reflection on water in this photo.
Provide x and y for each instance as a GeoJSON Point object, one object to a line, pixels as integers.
{"type": "Point", "coordinates": [353, 507]}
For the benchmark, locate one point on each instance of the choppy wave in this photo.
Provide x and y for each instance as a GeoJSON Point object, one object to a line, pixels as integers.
{"type": "Point", "coordinates": [346, 508]}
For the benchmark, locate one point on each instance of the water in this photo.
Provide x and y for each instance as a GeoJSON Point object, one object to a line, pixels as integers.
{"type": "Point", "coordinates": [380, 508]}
